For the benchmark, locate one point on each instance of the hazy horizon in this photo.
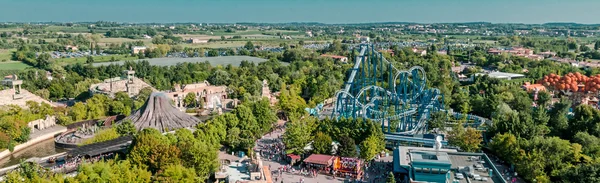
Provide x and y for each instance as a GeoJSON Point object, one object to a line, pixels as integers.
{"type": "Point", "coordinates": [302, 11]}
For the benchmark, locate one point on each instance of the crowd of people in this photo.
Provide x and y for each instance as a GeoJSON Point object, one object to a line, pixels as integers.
{"type": "Point", "coordinates": [73, 163]}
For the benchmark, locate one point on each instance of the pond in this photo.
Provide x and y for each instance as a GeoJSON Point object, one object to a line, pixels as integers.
{"type": "Point", "coordinates": [42, 149]}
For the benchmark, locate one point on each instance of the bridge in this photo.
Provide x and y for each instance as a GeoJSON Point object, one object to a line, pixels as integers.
{"type": "Point", "coordinates": [397, 99]}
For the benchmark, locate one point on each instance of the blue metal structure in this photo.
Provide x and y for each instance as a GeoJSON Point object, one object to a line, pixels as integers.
{"type": "Point", "coordinates": [376, 90]}
{"type": "Point", "coordinates": [398, 100]}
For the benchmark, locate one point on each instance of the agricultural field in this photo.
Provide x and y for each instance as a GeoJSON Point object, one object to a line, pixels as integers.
{"type": "Point", "coordinates": [66, 61]}
{"type": "Point", "coordinates": [6, 54]}
{"type": "Point", "coordinates": [223, 60]}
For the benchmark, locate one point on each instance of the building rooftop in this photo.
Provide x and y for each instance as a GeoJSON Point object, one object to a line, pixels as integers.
{"type": "Point", "coordinates": [319, 159]}
{"type": "Point", "coordinates": [405, 151]}
{"type": "Point", "coordinates": [429, 156]}
{"type": "Point", "coordinates": [501, 75]}
{"type": "Point", "coordinates": [460, 162]}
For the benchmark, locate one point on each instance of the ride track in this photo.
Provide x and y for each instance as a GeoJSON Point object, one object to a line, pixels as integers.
{"type": "Point", "coordinates": [398, 100]}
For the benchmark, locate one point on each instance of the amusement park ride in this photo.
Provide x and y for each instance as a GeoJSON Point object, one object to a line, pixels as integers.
{"type": "Point", "coordinates": [398, 100]}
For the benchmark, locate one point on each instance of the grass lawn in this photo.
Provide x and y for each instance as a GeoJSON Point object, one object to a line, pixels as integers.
{"type": "Point", "coordinates": [75, 29]}
{"type": "Point", "coordinates": [10, 29]}
{"type": "Point", "coordinates": [66, 61]}
{"type": "Point", "coordinates": [13, 65]}
{"type": "Point", "coordinates": [219, 44]}
{"type": "Point", "coordinates": [6, 54]}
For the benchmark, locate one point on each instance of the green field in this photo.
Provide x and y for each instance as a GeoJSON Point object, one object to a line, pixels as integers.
{"type": "Point", "coordinates": [6, 55]}
{"type": "Point", "coordinates": [67, 61]}
{"type": "Point", "coordinates": [223, 60]}
{"type": "Point", "coordinates": [13, 65]}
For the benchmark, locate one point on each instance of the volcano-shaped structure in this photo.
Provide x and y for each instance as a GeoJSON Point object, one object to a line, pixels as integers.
{"type": "Point", "coordinates": [160, 114]}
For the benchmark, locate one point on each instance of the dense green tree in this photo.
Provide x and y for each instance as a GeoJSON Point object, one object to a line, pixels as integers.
{"type": "Point", "coordinates": [437, 121]}
{"type": "Point", "coordinates": [558, 122]}
{"type": "Point", "coordinates": [468, 139]}
{"type": "Point", "coordinates": [111, 171]}
{"type": "Point", "coordinates": [219, 77]}
{"type": "Point", "coordinates": [369, 148]}
{"type": "Point", "coordinates": [390, 178]}
{"type": "Point", "coordinates": [190, 100]}
{"type": "Point", "coordinates": [249, 45]}
{"type": "Point", "coordinates": [89, 60]}
{"type": "Point", "coordinates": [150, 149]}
{"type": "Point", "coordinates": [506, 146]}
{"type": "Point", "coordinates": [78, 112]}
{"type": "Point", "coordinates": [322, 143]}
{"type": "Point", "coordinates": [582, 172]}
{"type": "Point", "coordinates": [126, 127]}
{"type": "Point", "coordinates": [43, 60]}
{"type": "Point", "coordinates": [265, 116]}
{"type": "Point", "coordinates": [347, 147]}
{"type": "Point", "coordinates": [291, 103]}
{"type": "Point", "coordinates": [118, 108]}
{"type": "Point", "coordinates": [298, 134]}
{"type": "Point", "coordinates": [178, 174]}
{"type": "Point", "coordinates": [200, 155]}
{"type": "Point", "coordinates": [213, 53]}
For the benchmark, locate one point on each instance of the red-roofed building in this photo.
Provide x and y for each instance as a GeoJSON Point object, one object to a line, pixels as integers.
{"type": "Point", "coordinates": [533, 87]}
{"type": "Point", "coordinates": [337, 57]}
{"type": "Point", "coordinates": [320, 160]}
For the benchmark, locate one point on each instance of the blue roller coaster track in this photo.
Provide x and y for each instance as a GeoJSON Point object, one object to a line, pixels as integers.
{"type": "Point", "coordinates": [397, 99]}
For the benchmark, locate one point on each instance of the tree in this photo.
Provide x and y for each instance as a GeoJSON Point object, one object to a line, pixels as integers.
{"type": "Point", "coordinates": [506, 146]}
{"type": "Point", "coordinates": [468, 139]}
{"type": "Point", "coordinates": [44, 93]}
{"type": "Point", "coordinates": [437, 121]}
{"type": "Point", "coordinates": [322, 143]}
{"type": "Point", "coordinates": [153, 150]}
{"type": "Point", "coordinates": [190, 100]}
{"type": "Point", "coordinates": [111, 171]}
{"type": "Point", "coordinates": [163, 48]}
{"type": "Point", "coordinates": [369, 148]}
{"type": "Point", "coordinates": [213, 53]}
{"type": "Point", "coordinates": [97, 106]}
{"type": "Point", "coordinates": [89, 60]}
{"type": "Point", "coordinates": [543, 98]}
{"type": "Point", "coordinates": [347, 147]}
{"type": "Point", "coordinates": [178, 174]}
{"type": "Point", "coordinates": [249, 45]}
{"type": "Point", "coordinates": [43, 60]}
{"type": "Point", "coordinates": [291, 103]}
{"type": "Point", "coordinates": [118, 108]}
{"type": "Point", "coordinates": [298, 134]}
{"type": "Point", "coordinates": [291, 55]}
{"type": "Point", "coordinates": [589, 172]}
{"type": "Point", "coordinates": [198, 154]}
{"type": "Point", "coordinates": [390, 178]}
{"type": "Point", "coordinates": [126, 128]}
{"type": "Point", "coordinates": [597, 45]}
{"type": "Point", "coordinates": [265, 116]}
{"type": "Point", "coordinates": [78, 112]}
{"type": "Point", "coordinates": [558, 122]}
{"type": "Point", "coordinates": [219, 77]}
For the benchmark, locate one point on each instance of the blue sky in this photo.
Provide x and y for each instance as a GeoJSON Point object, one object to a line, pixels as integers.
{"type": "Point", "coordinates": [324, 11]}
